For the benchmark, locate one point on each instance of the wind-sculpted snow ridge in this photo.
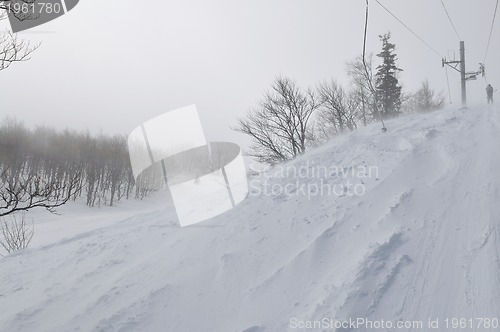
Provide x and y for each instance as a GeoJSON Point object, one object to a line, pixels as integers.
{"type": "Point", "coordinates": [422, 242]}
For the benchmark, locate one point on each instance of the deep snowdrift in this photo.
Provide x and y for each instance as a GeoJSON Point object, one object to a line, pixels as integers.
{"type": "Point", "coordinates": [421, 243]}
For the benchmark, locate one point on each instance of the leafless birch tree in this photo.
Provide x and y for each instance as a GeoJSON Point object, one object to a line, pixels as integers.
{"type": "Point", "coordinates": [279, 125]}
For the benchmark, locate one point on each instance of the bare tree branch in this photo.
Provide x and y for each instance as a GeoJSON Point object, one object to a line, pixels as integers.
{"type": "Point", "coordinates": [340, 111]}
{"type": "Point", "coordinates": [16, 234]}
{"type": "Point", "coordinates": [12, 50]}
{"type": "Point", "coordinates": [279, 126]}
{"type": "Point", "coordinates": [20, 192]}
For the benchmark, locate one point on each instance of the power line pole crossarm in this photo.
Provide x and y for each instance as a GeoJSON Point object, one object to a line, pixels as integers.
{"type": "Point", "coordinates": [464, 76]}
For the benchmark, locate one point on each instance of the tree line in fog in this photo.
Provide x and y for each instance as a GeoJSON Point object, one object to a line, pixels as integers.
{"type": "Point", "coordinates": [45, 167]}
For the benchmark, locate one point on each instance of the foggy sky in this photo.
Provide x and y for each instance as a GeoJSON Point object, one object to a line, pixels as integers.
{"type": "Point", "coordinates": [111, 65]}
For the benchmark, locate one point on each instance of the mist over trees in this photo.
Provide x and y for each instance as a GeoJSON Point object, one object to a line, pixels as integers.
{"type": "Point", "coordinates": [43, 168]}
{"type": "Point", "coordinates": [339, 111]}
{"type": "Point", "coordinates": [46, 168]}
{"type": "Point", "coordinates": [360, 79]}
{"type": "Point", "coordinates": [289, 119]}
{"type": "Point", "coordinates": [21, 189]}
{"type": "Point", "coordinates": [425, 99]}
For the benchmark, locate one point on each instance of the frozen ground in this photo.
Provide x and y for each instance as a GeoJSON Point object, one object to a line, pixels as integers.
{"type": "Point", "coordinates": [422, 242]}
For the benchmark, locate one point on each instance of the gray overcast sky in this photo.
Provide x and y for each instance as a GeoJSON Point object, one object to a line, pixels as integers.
{"type": "Point", "coordinates": [110, 65]}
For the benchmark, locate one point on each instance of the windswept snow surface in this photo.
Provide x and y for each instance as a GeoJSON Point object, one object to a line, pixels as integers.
{"type": "Point", "coordinates": [422, 243]}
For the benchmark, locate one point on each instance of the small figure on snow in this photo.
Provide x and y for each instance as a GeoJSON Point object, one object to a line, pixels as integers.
{"type": "Point", "coordinates": [489, 93]}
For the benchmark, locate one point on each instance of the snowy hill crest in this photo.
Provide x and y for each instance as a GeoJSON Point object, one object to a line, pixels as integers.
{"type": "Point", "coordinates": [420, 243]}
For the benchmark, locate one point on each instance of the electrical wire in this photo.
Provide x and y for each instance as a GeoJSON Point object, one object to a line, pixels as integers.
{"type": "Point", "coordinates": [408, 28]}
{"type": "Point", "coordinates": [448, 83]}
{"type": "Point", "coordinates": [491, 32]}
{"type": "Point", "coordinates": [451, 21]}
{"type": "Point", "coordinates": [384, 129]}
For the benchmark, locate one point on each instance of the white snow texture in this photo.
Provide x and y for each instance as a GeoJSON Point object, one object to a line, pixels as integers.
{"type": "Point", "coordinates": [422, 242]}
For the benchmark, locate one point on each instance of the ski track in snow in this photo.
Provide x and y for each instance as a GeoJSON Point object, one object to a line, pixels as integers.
{"type": "Point", "coordinates": [423, 242]}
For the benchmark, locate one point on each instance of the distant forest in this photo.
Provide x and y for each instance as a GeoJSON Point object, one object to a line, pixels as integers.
{"type": "Point", "coordinates": [63, 165]}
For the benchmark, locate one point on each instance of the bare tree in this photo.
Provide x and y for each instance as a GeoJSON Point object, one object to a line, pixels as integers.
{"type": "Point", "coordinates": [117, 166]}
{"type": "Point", "coordinates": [279, 126]}
{"type": "Point", "coordinates": [360, 81]}
{"type": "Point", "coordinates": [16, 233]}
{"type": "Point", "coordinates": [12, 49]}
{"type": "Point", "coordinates": [61, 165]}
{"type": "Point", "coordinates": [22, 192]}
{"type": "Point", "coordinates": [425, 99]}
{"type": "Point", "coordinates": [340, 110]}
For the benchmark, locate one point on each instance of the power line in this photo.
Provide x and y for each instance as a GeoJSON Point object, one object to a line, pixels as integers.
{"type": "Point", "coordinates": [448, 83]}
{"type": "Point", "coordinates": [372, 89]}
{"type": "Point", "coordinates": [451, 21]}
{"type": "Point", "coordinates": [417, 36]}
{"type": "Point", "coordinates": [491, 32]}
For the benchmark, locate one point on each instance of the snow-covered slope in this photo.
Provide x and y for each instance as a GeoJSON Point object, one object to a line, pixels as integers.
{"type": "Point", "coordinates": [422, 242]}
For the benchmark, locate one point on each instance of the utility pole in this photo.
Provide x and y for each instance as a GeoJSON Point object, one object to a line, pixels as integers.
{"type": "Point", "coordinates": [464, 76]}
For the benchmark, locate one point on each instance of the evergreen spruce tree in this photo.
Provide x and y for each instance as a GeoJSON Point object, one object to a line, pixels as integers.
{"type": "Point", "coordinates": [387, 86]}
